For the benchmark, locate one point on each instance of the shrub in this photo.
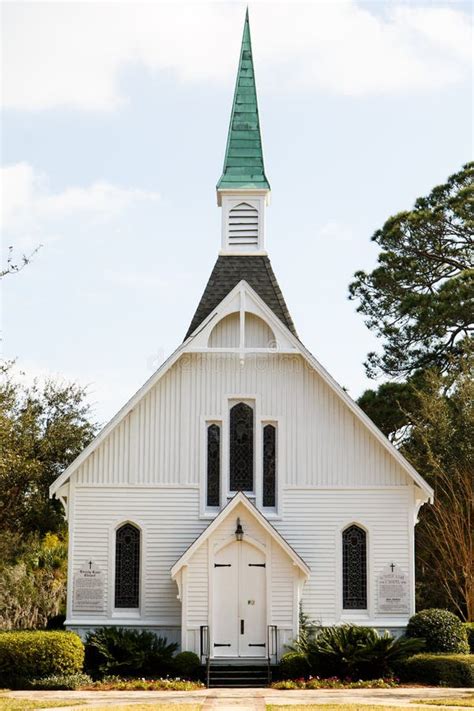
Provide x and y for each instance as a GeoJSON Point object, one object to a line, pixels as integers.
{"type": "Point", "coordinates": [469, 627]}
{"type": "Point", "coordinates": [355, 652]}
{"type": "Point", "coordinates": [441, 630]}
{"type": "Point", "coordinates": [61, 682]}
{"type": "Point", "coordinates": [32, 655]}
{"type": "Point", "coordinates": [116, 650]}
{"type": "Point", "coordinates": [439, 669]}
{"type": "Point", "coordinates": [293, 665]}
{"type": "Point", "coordinates": [187, 665]}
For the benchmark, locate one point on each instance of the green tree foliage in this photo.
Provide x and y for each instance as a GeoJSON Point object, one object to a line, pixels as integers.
{"type": "Point", "coordinates": [419, 299]}
{"type": "Point", "coordinates": [441, 448]}
{"type": "Point", "coordinates": [42, 429]}
{"type": "Point", "coordinates": [33, 588]}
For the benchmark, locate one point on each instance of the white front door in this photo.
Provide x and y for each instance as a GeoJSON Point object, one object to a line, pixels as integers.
{"type": "Point", "coordinates": [239, 602]}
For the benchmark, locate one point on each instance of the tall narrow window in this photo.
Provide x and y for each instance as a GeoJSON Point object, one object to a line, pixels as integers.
{"type": "Point", "coordinates": [269, 465]}
{"type": "Point", "coordinates": [354, 568]}
{"type": "Point", "coordinates": [213, 464]}
{"type": "Point", "coordinates": [127, 566]}
{"type": "Point", "coordinates": [241, 447]}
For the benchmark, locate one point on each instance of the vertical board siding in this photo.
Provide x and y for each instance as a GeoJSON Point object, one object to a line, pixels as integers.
{"type": "Point", "coordinates": [226, 334]}
{"type": "Point", "coordinates": [321, 441]}
{"type": "Point", "coordinates": [258, 333]}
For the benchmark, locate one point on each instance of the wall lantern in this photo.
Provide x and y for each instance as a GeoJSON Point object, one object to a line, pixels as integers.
{"type": "Point", "coordinates": [239, 531]}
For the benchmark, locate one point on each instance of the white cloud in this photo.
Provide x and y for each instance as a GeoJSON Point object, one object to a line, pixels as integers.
{"type": "Point", "coordinates": [71, 54]}
{"type": "Point", "coordinates": [28, 203]}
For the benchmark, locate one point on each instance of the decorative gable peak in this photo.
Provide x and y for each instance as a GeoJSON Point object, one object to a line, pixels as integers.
{"type": "Point", "coordinates": [243, 188]}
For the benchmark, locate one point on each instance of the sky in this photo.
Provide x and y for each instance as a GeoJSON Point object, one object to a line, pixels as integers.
{"type": "Point", "coordinates": [114, 124]}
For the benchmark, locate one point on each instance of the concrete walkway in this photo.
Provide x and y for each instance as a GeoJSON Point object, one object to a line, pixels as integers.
{"type": "Point", "coordinates": [245, 699]}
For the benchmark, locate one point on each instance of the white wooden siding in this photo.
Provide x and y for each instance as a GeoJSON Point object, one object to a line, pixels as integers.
{"type": "Point", "coordinates": [313, 523]}
{"type": "Point", "coordinates": [226, 334]}
{"type": "Point", "coordinates": [169, 520]}
{"type": "Point", "coordinates": [258, 333]}
{"type": "Point", "coordinates": [322, 443]}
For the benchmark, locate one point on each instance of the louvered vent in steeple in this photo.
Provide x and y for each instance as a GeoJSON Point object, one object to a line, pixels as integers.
{"type": "Point", "coordinates": [243, 226]}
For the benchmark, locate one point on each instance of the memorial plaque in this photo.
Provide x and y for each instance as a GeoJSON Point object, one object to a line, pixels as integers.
{"type": "Point", "coordinates": [393, 590]}
{"type": "Point", "coordinates": [88, 591]}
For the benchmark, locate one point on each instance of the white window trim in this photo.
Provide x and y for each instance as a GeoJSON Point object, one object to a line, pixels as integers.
{"type": "Point", "coordinates": [274, 421]}
{"type": "Point", "coordinates": [123, 612]}
{"type": "Point", "coordinates": [205, 510]}
{"type": "Point", "coordinates": [354, 616]}
{"type": "Point", "coordinates": [226, 494]}
{"type": "Point", "coordinates": [251, 402]}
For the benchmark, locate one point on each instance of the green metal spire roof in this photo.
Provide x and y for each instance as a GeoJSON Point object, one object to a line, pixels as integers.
{"type": "Point", "coordinates": [243, 163]}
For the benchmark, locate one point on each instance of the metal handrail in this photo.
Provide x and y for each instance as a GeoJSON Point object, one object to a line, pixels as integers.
{"type": "Point", "coordinates": [272, 648]}
{"type": "Point", "coordinates": [205, 649]}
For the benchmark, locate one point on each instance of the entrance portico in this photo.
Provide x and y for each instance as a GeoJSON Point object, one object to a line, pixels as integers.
{"type": "Point", "coordinates": [238, 578]}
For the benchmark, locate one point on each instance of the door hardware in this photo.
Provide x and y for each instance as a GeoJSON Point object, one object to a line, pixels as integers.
{"type": "Point", "coordinates": [242, 626]}
{"type": "Point", "coordinates": [222, 565]}
{"type": "Point", "coordinates": [222, 645]}
{"type": "Point", "coordinates": [257, 565]}
{"type": "Point", "coordinates": [258, 645]}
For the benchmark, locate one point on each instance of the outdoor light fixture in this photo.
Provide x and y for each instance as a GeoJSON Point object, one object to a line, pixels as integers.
{"type": "Point", "coordinates": [239, 531]}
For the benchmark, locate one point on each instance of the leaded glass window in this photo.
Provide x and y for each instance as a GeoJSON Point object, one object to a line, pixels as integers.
{"type": "Point", "coordinates": [269, 465]}
{"type": "Point", "coordinates": [213, 464]}
{"type": "Point", "coordinates": [354, 568]}
{"type": "Point", "coordinates": [127, 566]}
{"type": "Point", "coordinates": [241, 447]}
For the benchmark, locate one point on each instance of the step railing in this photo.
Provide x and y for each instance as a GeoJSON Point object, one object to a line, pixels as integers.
{"type": "Point", "coordinates": [205, 649]}
{"type": "Point", "coordinates": [272, 649]}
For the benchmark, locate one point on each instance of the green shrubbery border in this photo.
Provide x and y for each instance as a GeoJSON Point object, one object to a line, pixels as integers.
{"type": "Point", "coordinates": [32, 655]}
{"type": "Point", "coordinates": [455, 670]}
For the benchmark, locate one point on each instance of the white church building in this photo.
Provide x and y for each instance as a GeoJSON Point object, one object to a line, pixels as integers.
{"type": "Point", "coordinates": [240, 484]}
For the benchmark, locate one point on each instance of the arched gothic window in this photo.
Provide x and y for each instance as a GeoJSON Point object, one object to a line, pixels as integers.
{"type": "Point", "coordinates": [354, 568]}
{"type": "Point", "coordinates": [269, 465]}
{"type": "Point", "coordinates": [241, 447]}
{"type": "Point", "coordinates": [213, 465]}
{"type": "Point", "coordinates": [127, 566]}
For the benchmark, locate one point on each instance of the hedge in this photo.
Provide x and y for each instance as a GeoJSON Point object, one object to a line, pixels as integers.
{"type": "Point", "coordinates": [438, 669]}
{"type": "Point", "coordinates": [33, 655]}
{"type": "Point", "coordinates": [469, 627]}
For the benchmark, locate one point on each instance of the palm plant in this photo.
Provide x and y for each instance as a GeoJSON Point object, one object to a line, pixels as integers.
{"type": "Point", "coordinates": [115, 650]}
{"type": "Point", "coordinates": [353, 651]}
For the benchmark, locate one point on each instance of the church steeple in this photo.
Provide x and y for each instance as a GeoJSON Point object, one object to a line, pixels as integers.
{"type": "Point", "coordinates": [243, 189]}
{"type": "Point", "coordinates": [243, 162]}
{"type": "Point", "coordinates": [243, 192]}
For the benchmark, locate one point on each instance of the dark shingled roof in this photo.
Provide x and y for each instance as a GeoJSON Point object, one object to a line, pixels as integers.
{"type": "Point", "coordinates": [228, 271]}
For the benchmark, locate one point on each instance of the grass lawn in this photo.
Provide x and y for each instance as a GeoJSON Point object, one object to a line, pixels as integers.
{"type": "Point", "coordinates": [460, 701]}
{"type": "Point", "coordinates": [7, 704]}
{"type": "Point", "coordinates": [331, 707]}
{"type": "Point", "coordinates": [147, 707]}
